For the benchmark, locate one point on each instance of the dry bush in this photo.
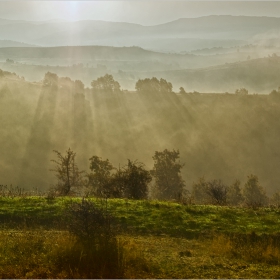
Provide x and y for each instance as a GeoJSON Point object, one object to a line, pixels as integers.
{"type": "Point", "coordinates": [251, 247]}
{"type": "Point", "coordinates": [53, 254]}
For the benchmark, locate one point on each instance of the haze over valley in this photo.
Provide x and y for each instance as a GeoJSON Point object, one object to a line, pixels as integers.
{"type": "Point", "coordinates": [210, 56]}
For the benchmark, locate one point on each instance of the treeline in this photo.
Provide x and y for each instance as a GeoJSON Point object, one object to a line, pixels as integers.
{"type": "Point", "coordinates": [107, 83]}
{"type": "Point", "coordinates": [163, 182]}
{"type": "Point", "coordinates": [129, 181]}
{"type": "Point", "coordinates": [215, 192]}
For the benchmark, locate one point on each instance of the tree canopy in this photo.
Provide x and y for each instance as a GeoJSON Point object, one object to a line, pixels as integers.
{"type": "Point", "coordinates": [106, 84]}
{"type": "Point", "coordinates": [153, 85]}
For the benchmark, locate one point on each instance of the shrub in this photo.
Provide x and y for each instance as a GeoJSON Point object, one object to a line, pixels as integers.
{"type": "Point", "coordinates": [97, 253]}
{"type": "Point", "coordinates": [253, 192]}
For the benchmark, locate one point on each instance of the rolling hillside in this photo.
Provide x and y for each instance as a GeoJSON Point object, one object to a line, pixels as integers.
{"type": "Point", "coordinates": [205, 73]}
{"type": "Point", "coordinates": [219, 136]}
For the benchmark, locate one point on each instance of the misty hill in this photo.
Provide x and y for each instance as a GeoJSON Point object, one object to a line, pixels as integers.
{"type": "Point", "coordinates": [220, 136]}
{"type": "Point", "coordinates": [128, 64]}
{"type": "Point", "coordinates": [182, 34]}
{"type": "Point", "coordinates": [9, 43]}
{"type": "Point", "coordinates": [257, 75]}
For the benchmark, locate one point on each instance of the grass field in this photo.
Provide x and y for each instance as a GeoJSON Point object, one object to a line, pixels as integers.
{"type": "Point", "coordinates": [158, 239]}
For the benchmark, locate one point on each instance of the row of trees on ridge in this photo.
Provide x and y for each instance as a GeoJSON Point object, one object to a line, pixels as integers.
{"type": "Point", "coordinates": [131, 180]}
{"type": "Point", "coordinates": [134, 181]}
{"type": "Point", "coordinates": [107, 83]}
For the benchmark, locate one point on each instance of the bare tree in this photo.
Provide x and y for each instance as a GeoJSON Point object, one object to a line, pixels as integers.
{"type": "Point", "coordinates": [217, 192]}
{"type": "Point", "coordinates": [67, 172]}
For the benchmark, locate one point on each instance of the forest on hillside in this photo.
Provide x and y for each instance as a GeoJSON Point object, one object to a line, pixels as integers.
{"type": "Point", "coordinates": [219, 136]}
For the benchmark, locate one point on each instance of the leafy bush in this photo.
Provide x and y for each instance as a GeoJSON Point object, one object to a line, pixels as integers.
{"type": "Point", "coordinates": [97, 253]}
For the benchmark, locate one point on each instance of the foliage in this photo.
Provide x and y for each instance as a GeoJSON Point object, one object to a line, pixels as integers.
{"type": "Point", "coordinates": [182, 90]}
{"type": "Point", "coordinates": [67, 173]}
{"type": "Point", "coordinates": [167, 174]}
{"type": "Point", "coordinates": [136, 179]}
{"type": "Point", "coordinates": [209, 192]}
{"type": "Point", "coordinates": [100, 177]}
{"type": "Point", "coordinates": [101, 254]}
{"type": "Point", "coordinates": [234, 194]}
{"type": "Point", "coordinates": [153, 85]}
{"type": "Point", "coordinates": [253, 192]}
{"type": "Point", "coordinates": [79, 86]}
{"type": "Point", "coordinates": [130, 181]}
{"type": "Point", "coordinates": [275, 200]}
{"type": "Point", "coordinates": [50, 79]}
{"type": "Point", "coordinates": [217, 192]}
{"type": "Point", "coordinates": [88, 222]}
{"type": "Point", "coordinates": [199, 191]}
{"type": "Point", "coordinates": [241, 91]}
{"type": "Point", "coordinates": [275, 93]}
{"type": "Point", "coordinates": [105, 84]}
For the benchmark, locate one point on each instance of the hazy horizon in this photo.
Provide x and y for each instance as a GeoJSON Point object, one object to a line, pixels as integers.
{"type": "Point", "coordinates": [138, 12]}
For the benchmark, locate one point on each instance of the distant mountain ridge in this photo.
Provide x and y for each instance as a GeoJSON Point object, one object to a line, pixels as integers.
{"type": "Point", "coordinates": [237, 29]}
{"type": "Point", "coordinates": [9, 43]}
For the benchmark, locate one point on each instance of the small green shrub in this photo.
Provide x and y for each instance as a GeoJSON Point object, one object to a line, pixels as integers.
{"type": "Point", "coordinates": [97, 253]}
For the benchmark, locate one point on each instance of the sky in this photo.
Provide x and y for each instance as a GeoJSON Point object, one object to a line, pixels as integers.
{"type": "Point", "coordinates": [141, 12]}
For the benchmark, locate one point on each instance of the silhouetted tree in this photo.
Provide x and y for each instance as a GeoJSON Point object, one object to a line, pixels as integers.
{"type": "Point", "coordinates": [182, 90]}
{"type": "Point", "coordinates": [50, 79]}
{"type": "Point", "coordinates": [199, 191]}
{"type": "Point", "coordinates": [153, 85]}
{"type": "Point", "coordinates": [234, 195]}
{"type": "Point", "coordinates": [67, 173]}
{"type": "Point", "coordinates": [275, 93]}
{"type": "Point", "coordinates": [241, 91]}
{"type": "Point", "coordinates": [105, 83]}
{"type": "Point", "coordinates": [136, 179]}
{"type": "Point", "coordinates": [217, 192]}
{"type": "Point", "coordinates": [210, 192]}
{"type": "Point", "coordinates": [167, 174]}
{"type": "Point", "coordinates": [100, 177]}
{"type": "Point", "coordinates": [130, 181]}
{"type": "Point", "coordinates": [253, 192]}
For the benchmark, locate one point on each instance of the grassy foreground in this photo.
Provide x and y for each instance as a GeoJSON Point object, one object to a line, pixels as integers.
{"type": "Point", "coordinates": [143, 216]}
{"type": "Point", "coordinates": [158, 240]}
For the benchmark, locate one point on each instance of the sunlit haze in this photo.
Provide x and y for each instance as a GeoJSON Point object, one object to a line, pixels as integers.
{"type": "Point", "coordinates": [141, 12]}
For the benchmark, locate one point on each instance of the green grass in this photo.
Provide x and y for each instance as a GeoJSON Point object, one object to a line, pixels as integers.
{"type": "Point", "coordinates": [148, 217]}
{"type": "Point", "coordinates": [157, 240]}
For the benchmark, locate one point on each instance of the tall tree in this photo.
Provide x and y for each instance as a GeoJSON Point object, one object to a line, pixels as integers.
{"type": "Point", "coordinates": [67, 173]}
{"type": "Point", "coordinates": [254, 194]}
{"type": "Point", "coordinates": [167, 174]}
